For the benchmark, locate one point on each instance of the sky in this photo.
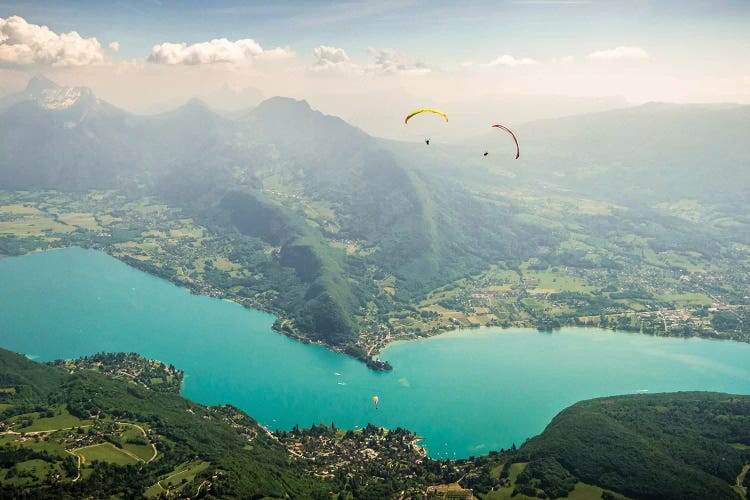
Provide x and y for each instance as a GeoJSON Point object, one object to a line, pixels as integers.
{"type": "Point", "coordinates": [359, 59]}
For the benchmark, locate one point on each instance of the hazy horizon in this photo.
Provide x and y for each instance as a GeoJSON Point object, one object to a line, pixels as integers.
{"type": "Point", "coordinates": [515, 61]}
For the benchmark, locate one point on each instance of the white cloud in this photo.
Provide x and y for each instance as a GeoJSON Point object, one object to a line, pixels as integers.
{"type": "Point", "coordinates": [621, 52]}
{"type": "Point", "coordinates": [331, 58]}
{"type": "Point", "coordinates": [216, 51]}
{"type": "Point", "coordinates": [24, 43]}
{"type": "Point", "coordinates": [386, 62]}
{"type": "Point", "coordinates": [746, 79]}
{"type": "Point", "coordinates": [114, 46]}
{"type": "Point", "coordinates": [508, 60]}
{"type": "Point", "coordinates": [391, 62]}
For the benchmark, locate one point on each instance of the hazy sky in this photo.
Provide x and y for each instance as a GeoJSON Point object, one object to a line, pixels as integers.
{"type": "Point", "coordinates": [136, 53]}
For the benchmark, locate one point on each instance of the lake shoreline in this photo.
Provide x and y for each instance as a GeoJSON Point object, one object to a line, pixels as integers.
{"type": "Point", "coordinates": [373, 364]}
{"type": "Point", "coordinates": [364, 350]}
{"type": "Point", "coordinates": [79, 302]}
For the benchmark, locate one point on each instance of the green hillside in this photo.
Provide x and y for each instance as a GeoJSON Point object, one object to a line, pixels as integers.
{"type": "Point", "coordinates": [100, 414]}
{"type": "Point", "coordinates": [686, 445]}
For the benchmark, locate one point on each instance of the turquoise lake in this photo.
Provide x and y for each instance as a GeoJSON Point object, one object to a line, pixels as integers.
{"type": "Point", "coordinates": [465, 392]}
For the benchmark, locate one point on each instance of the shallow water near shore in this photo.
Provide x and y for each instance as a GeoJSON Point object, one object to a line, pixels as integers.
{"type": "Point", "coordinates": [465, 392]}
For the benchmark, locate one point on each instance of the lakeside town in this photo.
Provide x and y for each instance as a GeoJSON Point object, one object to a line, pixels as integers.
{"type": "Point", "coordinates": [131, 367]}
{"type": "Point", "coordinates": [80, 444]}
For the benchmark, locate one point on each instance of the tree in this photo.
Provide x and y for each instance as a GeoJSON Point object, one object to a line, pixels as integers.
{"type": "Point", "coordinates": [725, 321]}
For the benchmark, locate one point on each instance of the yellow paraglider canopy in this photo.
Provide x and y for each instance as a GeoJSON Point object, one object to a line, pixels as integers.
{"type": "Point", "coordinates": [406, 120]}
{"type": "Point", "coordinates": [375, 400]}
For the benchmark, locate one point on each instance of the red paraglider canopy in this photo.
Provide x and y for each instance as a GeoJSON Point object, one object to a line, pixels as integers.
{"type": "Point", "coordinates": [518, 149]}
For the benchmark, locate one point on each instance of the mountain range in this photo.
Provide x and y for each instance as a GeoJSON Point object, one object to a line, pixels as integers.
{"type": "Point", "coordinates": [311, 185]}
{"type": "Point", "coordinates": [652, 153]}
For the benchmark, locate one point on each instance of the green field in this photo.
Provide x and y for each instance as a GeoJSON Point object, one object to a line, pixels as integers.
{"type": "Point", "coordinates": [582, 491]}
{"type": "Point", "coordinates": [144, 452]}
{"type": "Point", "coordinates": [105, 452]}
{"type": "Point", "coordinates": [153, 491]}
{"type": "Point", "coordinates": [62, 421]}
{"type": "Point", "coordinates": [80, 219]}
{"type": "Point", "coordinates": [688, 299]}
{"type": "Point", "coordinates": [506, 493]}
{"type": "Point", "coordinates": [550, 280]}
{"type": "Point", "coordinates": [39, 467]}
{"type": "Point", "coordinates": [186, 472]}
{"type": "Point", "coordinates": [6, 439]}
{"type": "Point", "coordinates": [33, 225]}
{"type": "Point", "coordinates": [29, 472]}
{"type": "Point", "coordinates": [51, 446]}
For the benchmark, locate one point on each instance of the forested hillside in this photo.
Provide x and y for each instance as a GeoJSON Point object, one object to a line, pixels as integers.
{"type": "Point", "coordinates": [683, 446]}
{"type": "Point", "coordinates": [99, 427]}
{"type": "Point", "coordinates": [87, 411]}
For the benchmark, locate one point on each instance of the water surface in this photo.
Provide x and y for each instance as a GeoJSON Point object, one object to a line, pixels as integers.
{"type": "Point", "coordinates": [466, 392]}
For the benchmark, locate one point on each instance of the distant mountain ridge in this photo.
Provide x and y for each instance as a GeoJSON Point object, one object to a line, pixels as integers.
{"type": "Point", "coordinates": [62, 137]}
{"type": "Point", "coordinates": [656, 151]}
{"type": "Point", "coordinates": [47, 94]}
{"type": "Point", "coordinates": [226, 100]}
